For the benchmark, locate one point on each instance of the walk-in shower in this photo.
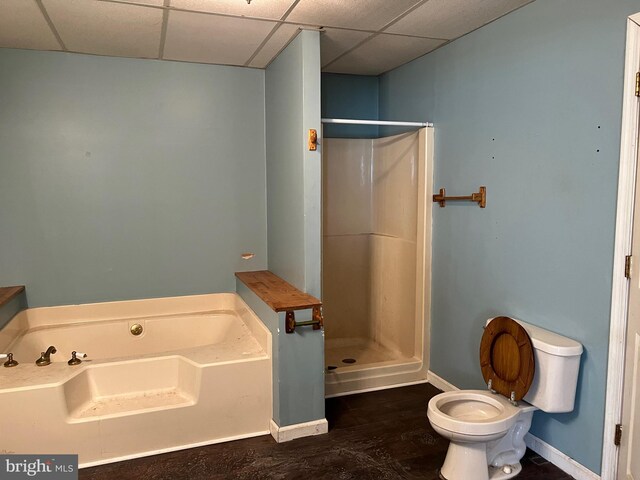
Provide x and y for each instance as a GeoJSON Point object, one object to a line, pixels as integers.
{"type": "Point", "coordinates": [376, 260]}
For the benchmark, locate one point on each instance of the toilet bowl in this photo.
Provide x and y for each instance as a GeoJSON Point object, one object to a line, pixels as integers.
{"type": "Point", "coordinates": [475, 422]}
{"type": "Point", "coordinates": [521, 364]}
{"type": "Point", "coordinates": [472, 413]}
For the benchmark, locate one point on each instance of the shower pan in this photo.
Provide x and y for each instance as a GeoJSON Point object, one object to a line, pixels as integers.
{"type": "Point", "coordinates": [376, 260]}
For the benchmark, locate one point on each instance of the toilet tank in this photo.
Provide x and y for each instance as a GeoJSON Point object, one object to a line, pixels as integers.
{"type": "Point", "coordinates": [557, 362]}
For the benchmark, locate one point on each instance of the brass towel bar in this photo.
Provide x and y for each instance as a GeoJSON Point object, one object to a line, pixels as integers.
{"type": "Point", "coordinates": [479, 197]}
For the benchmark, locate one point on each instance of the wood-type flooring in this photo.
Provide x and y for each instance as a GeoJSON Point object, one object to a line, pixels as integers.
{"type": "Point", "coordinates": [382, 435]}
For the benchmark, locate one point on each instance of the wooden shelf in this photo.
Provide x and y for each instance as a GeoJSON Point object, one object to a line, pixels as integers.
{"type": "Point", "coordinates": [275, 292]}
{"type": "Point", "coordinates": [9, 293]}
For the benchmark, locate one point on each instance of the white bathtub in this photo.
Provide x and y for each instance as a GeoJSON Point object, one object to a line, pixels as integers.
{"type": "Point", "coordinates": [199, 373]}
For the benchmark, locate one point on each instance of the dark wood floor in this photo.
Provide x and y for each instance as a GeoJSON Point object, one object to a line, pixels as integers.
{"type": "Point", "coordinates": [381, 435]}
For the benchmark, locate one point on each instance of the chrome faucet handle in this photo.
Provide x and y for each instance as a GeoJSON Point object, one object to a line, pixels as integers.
{"type": "Point", "coordinates": [10, 361]}
{"type": "Point", "coordinates": [45, 357]}
{"type": "Point", "coordinates": [75, 358]}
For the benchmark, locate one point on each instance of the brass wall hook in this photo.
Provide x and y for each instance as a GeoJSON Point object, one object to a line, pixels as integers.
{"type": "Point", "coordinates": [479, 197]}
{"type": "Point", "coordinates": [313, 140]}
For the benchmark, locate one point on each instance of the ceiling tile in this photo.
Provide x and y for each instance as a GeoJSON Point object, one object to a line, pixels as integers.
{"type": "Point", "coordinates": [280, 39]}
{"type": "Point", "coordinates": [382, 53]}
{"type": "Point", "coordinates": [22, 25]}
{"type": "Point", "coordinates": [156, 3]}
{"type": "Point", "coordinates": [195, 37]}
{"type": "Point", "coordinates": [334, 42]}
{"type": "Point", "coordinates": [273, 9]}
{"type": "Point", "coordinates": [452, 18]}
{"type": "Point", "coordinates": [106, 28]}
{"type": "Point", "coordinates": [355, 14]}
{"type": "Point", "coordinates": [132, 28]}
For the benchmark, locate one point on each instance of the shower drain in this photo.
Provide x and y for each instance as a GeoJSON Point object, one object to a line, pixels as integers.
{"type": "Point", "coordinates": [344, 360]}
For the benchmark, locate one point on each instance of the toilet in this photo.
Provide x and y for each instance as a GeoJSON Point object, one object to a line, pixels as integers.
{"type": "Point", "coordinates": [526, 368]}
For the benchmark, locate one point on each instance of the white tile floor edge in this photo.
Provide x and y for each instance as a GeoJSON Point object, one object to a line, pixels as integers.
{"type": "Point", "coordinates": [298, 430]}
{"type": "Point", "coordinates": [546, 451]}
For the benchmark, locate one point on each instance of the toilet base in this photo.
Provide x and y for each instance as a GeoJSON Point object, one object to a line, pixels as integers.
{"type": "Point", "coordinates": [498, 473]}
{"type": "Point", "coordinates": [465, 461]}
{"type": "Point", "coordinates": [468, 461]}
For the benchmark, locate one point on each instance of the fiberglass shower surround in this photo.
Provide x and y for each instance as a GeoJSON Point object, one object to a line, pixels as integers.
{"type": "Point", "coordinates": [373, 254]}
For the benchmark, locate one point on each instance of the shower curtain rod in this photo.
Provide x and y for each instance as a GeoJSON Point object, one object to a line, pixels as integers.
{"type": "Point", "coordinates": [349, 121]}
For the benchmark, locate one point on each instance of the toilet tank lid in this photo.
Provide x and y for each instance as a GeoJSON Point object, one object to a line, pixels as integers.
{"type": "Point", "coordinates": [550, 342]}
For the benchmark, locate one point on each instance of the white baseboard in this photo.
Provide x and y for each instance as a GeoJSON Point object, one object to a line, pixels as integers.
{"type": "Point", "coordinates": [546, 451]}
{"type": "Point", "coordinates": [559, 459]}
{"type": "Point", "coordinates": [299, 430]}
{"type": "Point", "coordinates": [440, 382]}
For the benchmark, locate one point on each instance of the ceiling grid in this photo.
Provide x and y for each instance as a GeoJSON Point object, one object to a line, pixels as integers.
{"type": "Point", "coordinates": [163, 32]}
{"type": "Point", "coordinates": [367, 37]}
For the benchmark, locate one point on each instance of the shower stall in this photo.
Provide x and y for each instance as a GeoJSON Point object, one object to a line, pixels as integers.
{"type": "Point", "coordinates": [376, 260]}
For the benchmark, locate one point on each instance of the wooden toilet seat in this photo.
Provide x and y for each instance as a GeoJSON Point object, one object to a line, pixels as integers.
{"type": "Point", "coordinates": [506, 358]}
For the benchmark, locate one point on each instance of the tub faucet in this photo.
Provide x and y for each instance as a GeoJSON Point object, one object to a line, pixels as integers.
{"type": "Point", "coordinates": [45, 357]}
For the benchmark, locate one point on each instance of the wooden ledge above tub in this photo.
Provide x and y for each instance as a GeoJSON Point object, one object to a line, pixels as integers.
{"type": "Point", "coordinates": [9, 293]}
{"type": "Point", "coordinates": [281, 296]}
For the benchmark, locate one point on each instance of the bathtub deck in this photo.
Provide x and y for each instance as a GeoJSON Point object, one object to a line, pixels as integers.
{"type": "Point", "coordinates": [372, 436]}
{"type": "Point", "coordinates": [27, 374]}
{"type": "Point", "coordinates": [243, 348]}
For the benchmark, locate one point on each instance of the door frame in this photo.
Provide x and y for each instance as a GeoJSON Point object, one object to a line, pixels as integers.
{"type": "Point", "coordinates": [623, 234]}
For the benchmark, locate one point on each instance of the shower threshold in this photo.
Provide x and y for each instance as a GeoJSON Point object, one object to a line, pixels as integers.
{"type": "Point", "coordinates": [356, 364]}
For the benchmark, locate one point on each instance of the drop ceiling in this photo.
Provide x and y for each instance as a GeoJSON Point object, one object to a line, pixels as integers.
{"type": "Point", "coordinates": [367, 37]}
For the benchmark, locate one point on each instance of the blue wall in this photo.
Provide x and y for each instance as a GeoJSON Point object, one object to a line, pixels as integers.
{"type": "Point", "coordinates": [297, 359]}
{"type": "Point", "coordinates": [529, 106]}
{"type": "Point", "coordinates": [350, 96]}
{"type": "Point", "coordinates": [293, 172]}
{"type": "Point", "coordinates": [293, 198]}
{"type": "Point", "coordinates": [124, 178]}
